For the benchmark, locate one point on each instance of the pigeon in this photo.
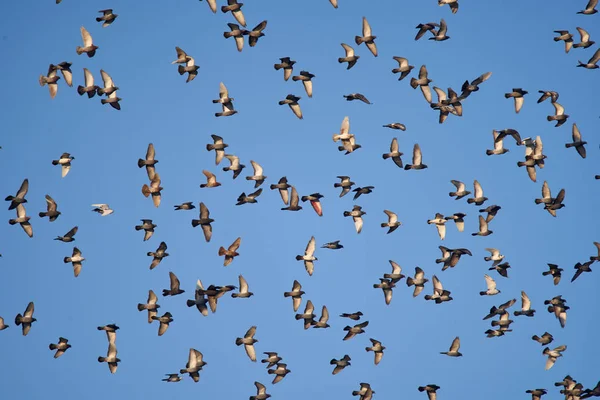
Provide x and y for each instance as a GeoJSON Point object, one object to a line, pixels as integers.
{"type": "Point", "coordinates": [261, 392]}
{"type": "Point", "coordinates": [211, 180]}
{"type": "Point", "coordinates": [103, 209]}
{"type": "Point", "coordinates": [353, 316]}
{"type": "Point", "coordinates": [346, 184]}
{"type": "Point", "coordinates": [152, 306]}
{"type": "Point", "coordinates": [585, 41]}
{"type": "Point", "coordinates": [454, 347]}
{"type": "Point", "coordinates": [458, 219]}
{"type": "Point", "coordinates": [212, 4]}
{"type": "Point", "coordinates": [26, 319]}
{"type": "Point", "coordinates": [226, 102]}
{"type": "Point", "coordinates": [451, 257]}
{"type": "Point", "coordinates": [292, 102]}
{"type": "Point", "coordinates": [468, 88]}
{"type": "Point", "coordinates": [190, 67]}
{"type": "Point", "coordinates": [23, 220]}
{"type": "Point", "coordinates": [322, 322]}
{"type": "Point", "coordinates": [431, 391]}
{"type": "Point", "coordinates": [392, 223]}
{"type": "Point", "coordinates": [356, 215]}
{"type": "Point", "coordinates": [236, 33]}
{"type": "Point", "coordinates": [545, 339]}
{"type": "Point", "coordinates": [295, 294]}
{"type": "Point", "coordinates": [553, 355]}
{"type": "Point", "coordinates": [231, 252]}
{"type": "Point", "coordinates": [107, 16]}
{"type": "Point", "coordinates": [236, 9]}
{"type": "Point", "coordinates": [355, 330]}
{"type": "Point", "coordinates": [577, 142]}
{"type": "Point", "coordinates": [517, 94]}
{"type": "Point", "coordinates": [377, 348]}
{"type": "Point", "coordinates": [182, 56]}
{"type": "Point", "coordinates": [164, 321]}
{"type": "Point", "coordinates": [439, 294]}
{"type": "Point", "coordinates": [340, 364]}
{"type": "Point", "coordinates": [501, 310]}
{"type": "Point", "coordinates": [478, 198]}
{"type": "Point", "coordinates": [350, 58]}
{"type": "Point", "coordinates": [280, 372]}
{"type": "Point", "coordinates": [19, 198]}
{"type": "Point", "coordinates": [52, 213]}
{"type": "Point", "coordinates": [3, 326]}
{"type": "Point", "coordinates": [537, 393]}
{"type": "Point", "coordinates": [504, 322]}
{"type": "Point", "coordinates": [452, 3]}
{"type": "Point", "coordinates": [248, 342]}
{"type": "Point", "coordinates": [396, 125]}
{"type": "Point", "coordinates": [287, 64]}
{"type": "Point", "coordinates": [423, 82]}
{"type": "Point", "coordinates": [386, 286]}
{"type": "Point", "coordinates": [219, 147]}
{"type": "Point", "coordinates": [158, 255]}
{"type": "Point", "coordinates": [154, 189]}
{"type": "Point", "coordinates": [333, 245]}
{"type": "Point", "coordinates": [508, 132]}
{"type": "Point", "coordinates": [69, 236]}
{"type": "Point", "coordinates": [423, 28]}
{"type": "Point", "coordinates": [199, 300]}
{"type": "Point", "coordinates": [334, 3]}
{"type": "Point", "coordinates": [416, 159]}
{"type": "Point", "coordinates": [590, 8]}
{"type": "Point", "coordinates": [272, 358]}
{"type": "Point", "coordinates": [440, 223]}
{"type": "Point", "coordinates": [498, 145]}
{"type": "Point", "coordinates": [88, 45]}
{"type": "Point", "coordinates": [308, 316]}
{"type": "Point", "coordinates": [185, 206]}
{"type": "Point", "coordinates": [559, 114]}
{"type": "Point", "coordinates": [555, 272]}
{"type": "Point", "coordinates": [483, 228]}
{"type": "Point", "coordinates": [283, 187]}
{"type": "Point", "coordinates": [255, 33]}
{"type": "Point", "coordinates": [111, 332]}
{"type": "Point", "coordinates": [501, 268]}
{"type": "Point", "coordinates": [315, 201]}
{"type": "Point", "coordinates": [76, 259]}
{"type": "Point", "coordinates": [394, 153]}
{"type": "Point", "coordinates": [293, 201]}
{"type": "Point", "coordinates": [495, 256]}
{"type": "Point", "coordinates": [418, 281]}
{"type": "Point", "coordinates": [525, 306]}
{"type": "Point", "coordinates": [234, 166]}
{"type": "Point", "coordinates": [172, 378]}
{"type": "Point", "coordinates": [246, 199]}
{"type": "Point", "coordinates": [596, 258]}
{"type": "Point", "coordinates": [111, 358]}
{"type": "Point", "coordinates": [205, 222]}
{"type": "Point", "coordinates": [109, 86]}
{"type": "Point", "coordinates": [308, 256]}
{"type": "Point", "coordinates": [440, 34]}
{"type": "Point", "coordinates": [365, 392]}
{"type": "Point", "coordinates": [65, 69]}
{"type": "Point", "coordinates": [356, 96]}
{"type": "Point", "coordinates": [581, 268]}
{"type": "Point", "coordinates": [65, 162]}
{"type": "Point", "coordinates": [362, 190]}
{"type": "Point", "coordinates": [149, 162]}
{"type": "Point", "coordinates": [403, 68]}
{"type": "Point", "coordinates": [148, 227]}
{"type": "Point", "coordinates": [460, 190]}
{"type": "Point", "coordinates": [491, 286]}
{"type": "Point", "coordinates": [51, 80]}
{"type": "Point", "coordinates": [367, 37]}
{"type": "Point", "coordinates": [556, 204]}
{"type": "Point", "coordinates": [306, 78]}
{"type": "Point", "coordinates": [174, 289]}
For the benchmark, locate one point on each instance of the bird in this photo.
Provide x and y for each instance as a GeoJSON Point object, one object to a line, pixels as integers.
{"type": "Point", "coordinates": [353, 316]}
{"type": "Point", "coordinates": [536, 394]}
{"type": "Point", "coordinates": [280, 371]}
{"type": "Point", "coordinates": [501, 268]}
{"type": "Point", "coordinates": [89, 47]}
{"type": "Point", "coordinates": [491, 286]}
{"type": "Point", "coordinates": [60, 347]}
{"type": "Point", "coordinates": [250, 198]}
{"type": "Point", "coordinates": [468, 88]}
{"type": "Point", "coordinates": [3, 326]}
{"type": "Point", "coordinates": [423, 82]}
{"type": "Point", "coordinates": [340, 364]}
{"type": "Point", "coordinates": [69, 236]}
{"type": "Point", "coordinates": [236, 10]}
{"type": "Point", "coordinates": [76, 259]}
{"type": "Point", "coordinates": [494, 256]}
{"type": "Point", "coordinates": [440, 223]}
{"type": "Point", "coordinates": [295, 294]}
{"type": "Point", "coordinates": [356, 96]}
{"type": "Point", "coordinates": [152, 306]}
{"type": "Point", "coordinates": [333, 245]}
{"type": "Point", "coordinates": [377, 348]}
{"type": "Point", "coordinates": [272, 358]}
{"type": "Point", "coordinates": [148, 227]}
{"type": "Point", "coordinates": [191, 68]}
{"type": "Point", "coordinates": [590, 8]}
{"type": "Point", "coordinates": [51, 80]}
{"type": "Point", "coordinates": [26, 320]}
{"type": "Point", "coordinates": [309, 256]}
{"type": "Point", "coordinates": [188, 205]}
{"type": "Point", "coordinates": [509, 132]}
{"type": "Point", "coordinates": [386, 287]}
{"type": "Point", "coordinates": [460, 190]}
{"type": "Point", "coordinates": [439, 294]}
{"type": "Point", "coordinates": [596, 258]}
{"type": "Point", "coordinates": [172, 378]}
{"type": "Point", "coordinates": [149, 162]}
{"type": "Point", "coordinates": [65, 69]}
{"type": "Point", "coordinates": [567, 37]}
{"type": "Point", "coordinates": [255, 33]}
{"type": "Point", "coordinates": [418, 281]}
{"type": "Point", "coordinates": [403, 68]}
{"type": "Point", "coordinates": [396, 125]}
{"type": "Point", "coordinates": [501, 310]}
{"type": "Point", "coordinates": [346, 184]}
{"type": "Point", "coordinates": [392, 223]}
{"type": "Point", "coordinates": [518, 95]}
{"type": "Point", "coordinates": [204, 221]}
{"type": "Point", "coordinates": [350, 58]}
{"type": "Point", "coordinates": [52, 213]}
{"type": "Point", "coordinates": [103, 209]}
{"type": "Point", "coordinates": [287, 64]}
{"type": "Point", "coordinates": [585, 41]}
{"type": "Point", "coordinates": [108, 84]}
{"type": "Point", "coordinates": [282, 186]}
{"type": "Point", "coordinates": [545, 339]}
{"type": "Point", "coordinates": [431, 391]}
{"type": "Point", "coordinates": [478, 197]}
{"type": "Point", "coordinates": [355, 330]}
{"type": "Point", "coordinates": [158, 255]}
{"type": "Point", "coordinates": [199, 299]}
{"type": "Point", "coordinates": [306, 78]}
{"type": "Point", "coordinates": [226, 102]}
{"type": "Point", "coordinates": [174, 289]}
{"type": "Point", "coordinates": [258, 176]}
{"type": "Point", "coordinates": [65, 162]}
{"type": "Point", "coordinates": [344, 131]}
{"type": "Point", "coordinates": [498, 145]}
{"type": "Point", "coordinates": [458, 219]}
{"type": "Point", "coordinates": [556, 203]}
{"type": "Point", "coordinates": [367, 37]}
{"type": "Point", "coordinates": [293, 204]}
{"type": "Point", "coordinates": [394, 154]}
{"type": "Point", "coordinates": [440, 34]}
{"type": "Point", "coordinates": [292, 102]}
{"type": "Point", "coordinates": [154, 189]}
{"type": "Point", "coordinates": [308, 315]}
{"type": "Point", "coordinates": [483, 228]}
{"type": "Point", "coordinates": [577, 142]}
{"type": "Point", "coordinates": [315, 202]}
{"type": "Point", "coordinates": [417, 158]}
{"type": "Point", "coordinates": [164, 322]}
{"type": "Point", "coordinates": [111, 358]}
{"type": "Point", "coordinates": [244, 293]}
{"type": "Point", "coordinates": [107, 16]}
{"type": "Point", "coordinates": [548, 94]}
{"type": "Point", "coordinates": [362, 190]}
{"type": "Point", "coordinates": [231, 252]}
{"type": "Point", "coordinates": [322, 322]}
{"type": "Point", "coordinates": [423, 28]}
{"type": "Point", "coordinates": [261, 392]}
{"type": "Point", "coordinates": [234, 166]}
{"type": "Point", "coordinates": [452, 3]}
{"type": "Point", "coordinates": [559, 112]}
{"type": "Point", "coordinates": [581, 268]}
{"type": "Point", "coordinates": [219, 148]}
{"type": "Point", "coordinates": [555, 272]}
{"type": "Point", "coordinates": [182, 56]}
{"type": "Point", "coordinates": [19, 198]}
{"type": "Point", "coordinates": [454, 347]}
{"type": "Point", "coordinates": [356, 215]}
{"type": "Point", "coordinates": [23, 220]}
{"type": "Point", "coordinates": [236, 33]}
{"type": "Point", "coordinates": [525, 306]}
{"type": "Point", "coordinates": [553, 355]}
{"type": "Point", "coordinates": [248, 342]}
{"type": "Point", "coordinates": [365, 392]}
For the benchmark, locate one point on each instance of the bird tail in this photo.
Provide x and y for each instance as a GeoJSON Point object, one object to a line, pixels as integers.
{"type": "Point", "coordinates": [413, 83]}
{"type": "Point", "coordinates": [569, 145]}
{"type": "Point", "coordinates": [79, 50]}
{"type": "Point", "coordinates": [141, 307]}
{"type": "Point", "coordinates": [81, 90]}
{"type": "Point", "coordinates": [482, 293]}
{"type": "Point", "coordinates": [346, 213]}
{"type": "Point", "coordinates": [489, 152]}
{"type": "Point", "coordinates": [196, 222]}
{"type": "Point", "coordinates": [18, 319]}
{"type": "Point", "coordinates": [538, 201]}
{"type": "Point", "coordinates": [146, 190]}
{"type": "Point", "coordinates": [507, 95]}
{"type": "Point", "coordinates": [384, 224]}
{"type": "Point", "coordinates": [470, 201]}
{"type": "Point", "coordinates": [386, 156]}
{"type": "Point", "coordinates": [517, 313]}
{"type": "Point", "coordinates": [222, 251]}
{"type": "Point", "coordinates": [407, 167]}
{"type": "Point", "coordinates": [190, 303]}
{"type": "Point", "coordinates": [210, 147]}
{"type": "Point", "coordinates": [340, 60]}
{"type": "Point", "coordinates": [227, 35]}
{"type": "Point", "coordinates": [42, 80]}
{"type": "Point", "coordinates": [67, 260]}
{"type": "Point", "coordinates": [296, 78]}
{"type": "Point", "coordinates": [287, 294]}
{"type": "Point", "coordinates": [101, 359]}
{"type": "Point", "coordinates": [298, 258]}
{"type": "Point", "coordinates": [138, 228]}
{"type": "Point", "coordinates": [358, 40]}
{"type": "Point", "coordinates": [141, 163]}
{"type": "Point", "coordinates": [52, 346]}
{"type": "Point", "coordinates": [298, 316]}
{"type": "Point", "coordinates": [42, 214]}
{"type": "Point", "coordinates": [427, 297]}
{"type": "Point", "coordinates": [12, 221]}
{"type": "Point", "coordinates": [549, 117]}
{"type": "Point", "coordinates": [409, 281]}
{"type": "Point", "coordinates": [239, 341]}
{"type": "Point", "coordinates": [181, 69]}
{"type": "Point", "coordinates": [165, 293]}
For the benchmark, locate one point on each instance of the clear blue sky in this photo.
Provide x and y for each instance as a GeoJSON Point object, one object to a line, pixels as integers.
{"type": "Point", "coordinates": [512, 40]}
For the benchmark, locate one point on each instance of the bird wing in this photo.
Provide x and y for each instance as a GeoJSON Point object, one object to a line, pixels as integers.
{"type": "Point", "coordinates": [86, 37]}
{"type": "Point", "coordinates": [525, 302]}
{"type": "Point", "coordinates": [243, 285]}
{"type": "Point", "coordinates": [108, 82]}
{"type": "Point", "coordinates": [559, 109]}
{"type": "Point", "coordinates": [417, 156]}
{"type": "Point", "coordinates": [437, 286]}
{"type": "Point", "coordinates": [366, 28]}
{"type": "Point", "coordinates": [89, 78]}
{"type": "Point", "coordinates": [345, 128]}
{"type": "Point", "coordinates": [392, 217]}
{"type": "Point", "coordinates": [29, 310]}
{"type": "Point", "coordinates": [576, 134]}
{"type": "Point", "coordinates": [310, 247]}
{"type": "Point", "coordinates": [204, 213]}
{"type": "Point", "coordinates": [235, 245]}
{"type": "Point", "coordinates": [174, 281]}
{"type": "Point", "coordinates": [584, 35]}
{"type": "Point", "coordinates": [152, 299]}
{"type": "Point", "coordinates": [455, 344]}
{"type": "Point", "coordinates": [294, 197]}
{"type": "Point", "coordinates": [150, 152]}
{"type": "Point", "coordinates": [489, 281]}
{"type": "Point", "coordinates": [460, 187]}
{"type": "Point", "coordinates": [478, 189]}
{"type": "Point", "coordinates": [223, 93]}
{"type": "Point", "coordinates": [51, 204]}
{"type": "Point", "coordinates": [349, 50]}
{"type": "Point", "coordinates": [258, 171]}
{"type": "Point", "coordinates": [23, 189]}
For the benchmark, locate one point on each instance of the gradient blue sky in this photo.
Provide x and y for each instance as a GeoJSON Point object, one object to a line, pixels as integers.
{"type": "Point", "coordinates": [512, 39]}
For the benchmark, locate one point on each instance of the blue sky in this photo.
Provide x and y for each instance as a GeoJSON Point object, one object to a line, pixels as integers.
{"type": "Point", "coordinates": [514, 41]}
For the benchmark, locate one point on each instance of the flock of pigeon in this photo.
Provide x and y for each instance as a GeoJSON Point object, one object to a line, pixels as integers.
{"type": "Point", "coordinates": [206, 298]}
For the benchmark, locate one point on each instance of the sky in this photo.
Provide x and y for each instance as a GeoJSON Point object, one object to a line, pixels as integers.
{"type": "Point", "coordinates": [513, 41]}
